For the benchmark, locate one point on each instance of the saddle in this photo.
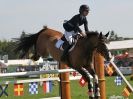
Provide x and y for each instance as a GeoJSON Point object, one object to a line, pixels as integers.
{"type": "Point", "coordinates": [66, 43]}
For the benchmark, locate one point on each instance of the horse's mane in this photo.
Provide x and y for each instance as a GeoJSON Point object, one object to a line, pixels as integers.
{"type": "Point", "coordinates": [92, 33]}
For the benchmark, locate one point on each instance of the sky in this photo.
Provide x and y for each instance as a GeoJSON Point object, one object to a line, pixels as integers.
{"type": "Point", "coordinates": [31, 15]}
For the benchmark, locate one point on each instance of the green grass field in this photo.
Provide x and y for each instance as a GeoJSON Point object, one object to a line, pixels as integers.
{"type": "Point", "coordinates": [77, 92]}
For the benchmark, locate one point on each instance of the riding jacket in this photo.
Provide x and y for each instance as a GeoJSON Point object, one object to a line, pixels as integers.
{"type": "Point", "coordinates": [74, 23]}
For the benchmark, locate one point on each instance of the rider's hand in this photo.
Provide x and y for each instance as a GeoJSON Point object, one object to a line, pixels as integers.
{"type": "Point", "coordinates": [83, 34]}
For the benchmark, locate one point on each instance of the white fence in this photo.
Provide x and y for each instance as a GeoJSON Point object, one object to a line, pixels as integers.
{"type": "Point", "coordinates": [36, 72]}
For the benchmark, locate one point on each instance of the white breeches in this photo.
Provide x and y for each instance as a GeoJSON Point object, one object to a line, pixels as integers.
{"type": "Point", "coordinates": [69, 36]}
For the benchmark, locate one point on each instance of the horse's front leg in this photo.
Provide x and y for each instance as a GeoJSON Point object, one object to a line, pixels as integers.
{"type": "Point", "coordinates": [95, 79]}
{"type": "Point", "coordinates": [88, 78]}
{"type": "Point", "coordinates": [97, 89]}
{"type": "Point", "coordinates": [91, 88]}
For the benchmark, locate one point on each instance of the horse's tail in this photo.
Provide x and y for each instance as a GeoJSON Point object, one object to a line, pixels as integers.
{"type": "Point", "coordinates": [24, 44]}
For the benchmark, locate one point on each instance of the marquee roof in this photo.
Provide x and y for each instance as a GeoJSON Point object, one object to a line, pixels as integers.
{"type": "Point", "coordinates": [120, 44]}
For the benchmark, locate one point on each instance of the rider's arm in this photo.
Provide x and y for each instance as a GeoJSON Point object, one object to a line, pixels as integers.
{"type": "Point", "coordinates": [76, 21]}
{"type": "Point", "coordinates": [78, 28]}
{"type": "Point", "coordinates": [86, 26]}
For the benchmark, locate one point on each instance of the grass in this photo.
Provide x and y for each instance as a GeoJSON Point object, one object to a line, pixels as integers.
{"type": "Point", "coordinates": [77, 92]}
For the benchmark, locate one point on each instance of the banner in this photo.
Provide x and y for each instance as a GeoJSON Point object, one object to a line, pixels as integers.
{"type": "Point", "coordinates": [47, 86]}
{"type": "Point", "coordinates": [126, 92]}
{"type": "Point", "coordinates": [3, 89]}
{"type": "Point", "coordinates": [18, 89]}
{"type": "Point", "coordinates": [82, 81]}
{"type": "Point", "coordinates": [33, 88]}
{"type": "Point", "coordinates": [118, 80]}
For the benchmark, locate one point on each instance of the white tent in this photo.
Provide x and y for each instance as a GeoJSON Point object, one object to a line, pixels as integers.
{"type": "Point", "coordinates": [120, 44]}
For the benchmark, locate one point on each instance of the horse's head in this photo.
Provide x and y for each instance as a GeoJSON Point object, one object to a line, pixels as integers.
{"type": "Point", "coordinates": [102, 46]}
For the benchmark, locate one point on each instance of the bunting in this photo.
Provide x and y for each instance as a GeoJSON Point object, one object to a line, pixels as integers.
{"type": "Point", "coordinates": [109, 68]}
{"type": "Point", "coordinates": [33, 88]}
{"type": "Point", "coordinates": [82, 81]}
{"type": "Point", "coordinates": [47, 86]}
{"type": "Point", "coordinates": [118, 80]}
{"type": "Point", "coordinates": [3, 89]}
{"type": "Point", "coordinates": [18, 89]}
{"type": "Point", "coordinates": [126, 92]}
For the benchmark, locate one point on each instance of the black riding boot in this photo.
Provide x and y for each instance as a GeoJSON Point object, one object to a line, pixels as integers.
{"type": "Point", "coordinates": [65, 53]}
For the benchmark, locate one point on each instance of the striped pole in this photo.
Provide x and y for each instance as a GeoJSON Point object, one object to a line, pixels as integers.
{"type": "Point", "coordinates": [64, 83]}
{"type": "Point", "coordinates": [99, 66]}
{"type": "Point", "coordinates": [119, 72]}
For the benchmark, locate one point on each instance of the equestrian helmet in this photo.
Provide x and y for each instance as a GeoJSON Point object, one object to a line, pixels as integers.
{"type": "Point", "coordinates": [84, 8]}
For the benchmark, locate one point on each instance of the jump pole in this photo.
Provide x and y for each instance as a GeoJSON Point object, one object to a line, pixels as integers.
{"type": "Point", "coordinates": [64, 83]}
{"type": "Point", "coordinates": [99, 66]}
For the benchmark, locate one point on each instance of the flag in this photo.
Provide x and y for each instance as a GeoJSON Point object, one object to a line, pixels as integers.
{"type": "Point", "coordinates": [3, 89]}
{"type": "Point", "coordinates": [109, 68]}
{"type": "Point", "coordinates": [82, 81]}
{"type": "Point", "coordinates": [126, 92]}
{"type": "Point", "coordinates": [18, 89]}
{"type": "Point", "coordinates": [33, 88]}
{"type": "Point", "coordinates": [47, 86]}
{"type": "Point", "coordinates": [118, 80]}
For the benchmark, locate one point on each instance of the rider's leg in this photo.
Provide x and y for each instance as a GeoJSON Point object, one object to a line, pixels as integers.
{"type": "Point", "coordinates": [69, 38]}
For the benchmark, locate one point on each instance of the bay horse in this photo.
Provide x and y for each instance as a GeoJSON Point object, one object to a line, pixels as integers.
{"type": "Point", "coordinates": [80, 58]}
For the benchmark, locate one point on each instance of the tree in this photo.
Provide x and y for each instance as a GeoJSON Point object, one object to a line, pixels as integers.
{"type": "Point", "coordinates": [114, 37]}
{"type": "Point", "coordinates": [7, 48]}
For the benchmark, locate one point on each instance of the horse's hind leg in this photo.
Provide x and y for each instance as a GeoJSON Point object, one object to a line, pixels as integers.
{"type": "Point", "coordinates": [35, 55]}
{"type": "Point", "coordinates": [87, 76]}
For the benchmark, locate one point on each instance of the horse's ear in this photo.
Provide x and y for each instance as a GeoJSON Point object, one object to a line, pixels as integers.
{"type": "Point", "coordinates": [100, 35]}
{"type": "Point", "coordinates": [107, 34]}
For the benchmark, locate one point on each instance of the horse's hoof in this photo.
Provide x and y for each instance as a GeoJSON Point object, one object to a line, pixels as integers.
{"type": "Point", "coordinates": [91, 97]}
{"type": "Point", "coordinates": [91, 93]}
{"type": "Point", "coordinates": [97, 97]}
{"type": "Point", "coordinates": [97, 94]}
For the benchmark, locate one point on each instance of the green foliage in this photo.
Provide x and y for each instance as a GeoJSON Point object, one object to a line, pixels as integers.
{"type": "Point", "coordinates": [7, 48]}
{"type": "Point", "coordinates": [114, 37]}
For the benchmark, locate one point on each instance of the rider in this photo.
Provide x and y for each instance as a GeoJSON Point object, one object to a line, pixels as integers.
{"type": "Point", "coordinates": [72, 27]}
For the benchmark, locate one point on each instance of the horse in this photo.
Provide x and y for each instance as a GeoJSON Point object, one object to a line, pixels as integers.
{"type": "Point", "coordinates": [80, 58]}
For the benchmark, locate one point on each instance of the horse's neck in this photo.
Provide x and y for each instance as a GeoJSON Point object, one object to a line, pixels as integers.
{"type": "Point", "coordinates": [85, 45]}
{"type": "Point", "coordinates": [87, 49]}
{"type": "Point", "coordinates": [82, 53]}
